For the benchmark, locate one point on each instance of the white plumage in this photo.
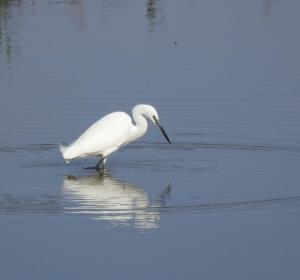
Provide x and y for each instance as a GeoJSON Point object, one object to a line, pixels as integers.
{"type": "Point", "coordinates": [110, 133]}
{"type": "Point", "coordinates": [100, 138]}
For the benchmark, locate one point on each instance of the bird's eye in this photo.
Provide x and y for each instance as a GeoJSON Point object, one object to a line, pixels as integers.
{"type": "Point", "coordinates": [155, 119]}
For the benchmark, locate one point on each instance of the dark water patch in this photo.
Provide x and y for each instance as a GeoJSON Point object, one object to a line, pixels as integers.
{"type": "Point", "coordinates": [220, 146]}
{"type": "Point", "coordinates": [268, 202]}
{"type": "Point", "coordinates": [30, 147]}
{"type": "Point", "coordinates": [52, 204]}
{"type": "Point", "coordinates": [44, 204]}
{"type": "Point", "coordinates": [176, 145]}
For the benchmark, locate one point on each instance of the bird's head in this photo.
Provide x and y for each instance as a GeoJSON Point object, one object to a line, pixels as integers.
{"type": "Point", "coordinates": [150, 113]}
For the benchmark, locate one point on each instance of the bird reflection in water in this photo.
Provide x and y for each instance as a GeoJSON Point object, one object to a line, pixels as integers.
{"type": "Point", "coordinates": [104, 197]}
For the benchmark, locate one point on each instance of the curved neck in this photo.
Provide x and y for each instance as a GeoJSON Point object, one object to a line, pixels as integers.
{"type": "Point", "coordinates": [140, 124]}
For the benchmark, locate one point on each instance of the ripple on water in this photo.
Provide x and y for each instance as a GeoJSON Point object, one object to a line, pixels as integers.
{"type": "Point", "coordinates": [108, 199]}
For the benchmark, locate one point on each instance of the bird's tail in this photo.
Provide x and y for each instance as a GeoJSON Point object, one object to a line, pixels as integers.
{"type": "Point", "coordinates": [63, 149]}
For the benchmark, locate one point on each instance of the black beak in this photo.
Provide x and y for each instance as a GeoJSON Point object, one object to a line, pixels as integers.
{"type": "Point", "coordinates": [161, 129]}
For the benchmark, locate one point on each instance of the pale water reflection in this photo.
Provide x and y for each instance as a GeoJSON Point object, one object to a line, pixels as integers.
{"type": "Point", "coordinates": [104, 197]}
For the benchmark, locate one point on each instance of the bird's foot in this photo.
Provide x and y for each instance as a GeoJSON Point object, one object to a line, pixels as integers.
{"type": "Point", "coordinates": [91, 167]}
{"type": "Point", "coordinates": [96, 167]}
{"type": "Point", "coordinates": [100, 168]}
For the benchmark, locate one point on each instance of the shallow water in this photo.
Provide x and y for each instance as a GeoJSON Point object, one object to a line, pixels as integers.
{"type": "Point", "coordinates": [222, 201]}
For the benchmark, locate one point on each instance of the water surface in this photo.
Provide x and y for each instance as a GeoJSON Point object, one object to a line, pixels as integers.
{"type": "Point", "coordinates": [222, 201]}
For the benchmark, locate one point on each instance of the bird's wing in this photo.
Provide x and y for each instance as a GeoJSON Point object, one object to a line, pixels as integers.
{"type": "Point", "coordinates": [107, 133]}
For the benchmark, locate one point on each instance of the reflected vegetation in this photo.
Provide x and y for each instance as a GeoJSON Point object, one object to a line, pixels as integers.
{"type": "Point", "coordinates": [267, 7]}
{"type": "Point", "coordinates": [154, 14]}
{"type": "Point", "coordinates": [104, 197]}
{"type": "Point", "coordinates": [9, 30]}
{"type": "Point", "coordinates": [11, 15]}
{"type": "Point", "coordinates": [77, 13]}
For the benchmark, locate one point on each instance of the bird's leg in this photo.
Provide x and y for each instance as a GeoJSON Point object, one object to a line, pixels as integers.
{"type": "Point", "coordinates": [101, 163]}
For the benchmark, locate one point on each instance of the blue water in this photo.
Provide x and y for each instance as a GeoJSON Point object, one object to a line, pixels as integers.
{"type": "Point", "coordinates": [221, 202]}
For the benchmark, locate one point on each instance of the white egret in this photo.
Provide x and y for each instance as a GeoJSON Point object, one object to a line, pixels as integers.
{"type": "Point", "coordinates": [112, 132]}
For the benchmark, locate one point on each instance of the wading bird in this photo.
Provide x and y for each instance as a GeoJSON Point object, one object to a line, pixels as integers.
{"type": "Point", "coordinates": [112, 132]}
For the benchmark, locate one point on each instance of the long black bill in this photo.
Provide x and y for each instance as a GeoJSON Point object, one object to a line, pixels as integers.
{"type": "Point", "coordinates": [161, 129]}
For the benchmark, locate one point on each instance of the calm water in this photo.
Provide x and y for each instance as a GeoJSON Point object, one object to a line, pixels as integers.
{"type": "Point", "coordinates": [222, 202]}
